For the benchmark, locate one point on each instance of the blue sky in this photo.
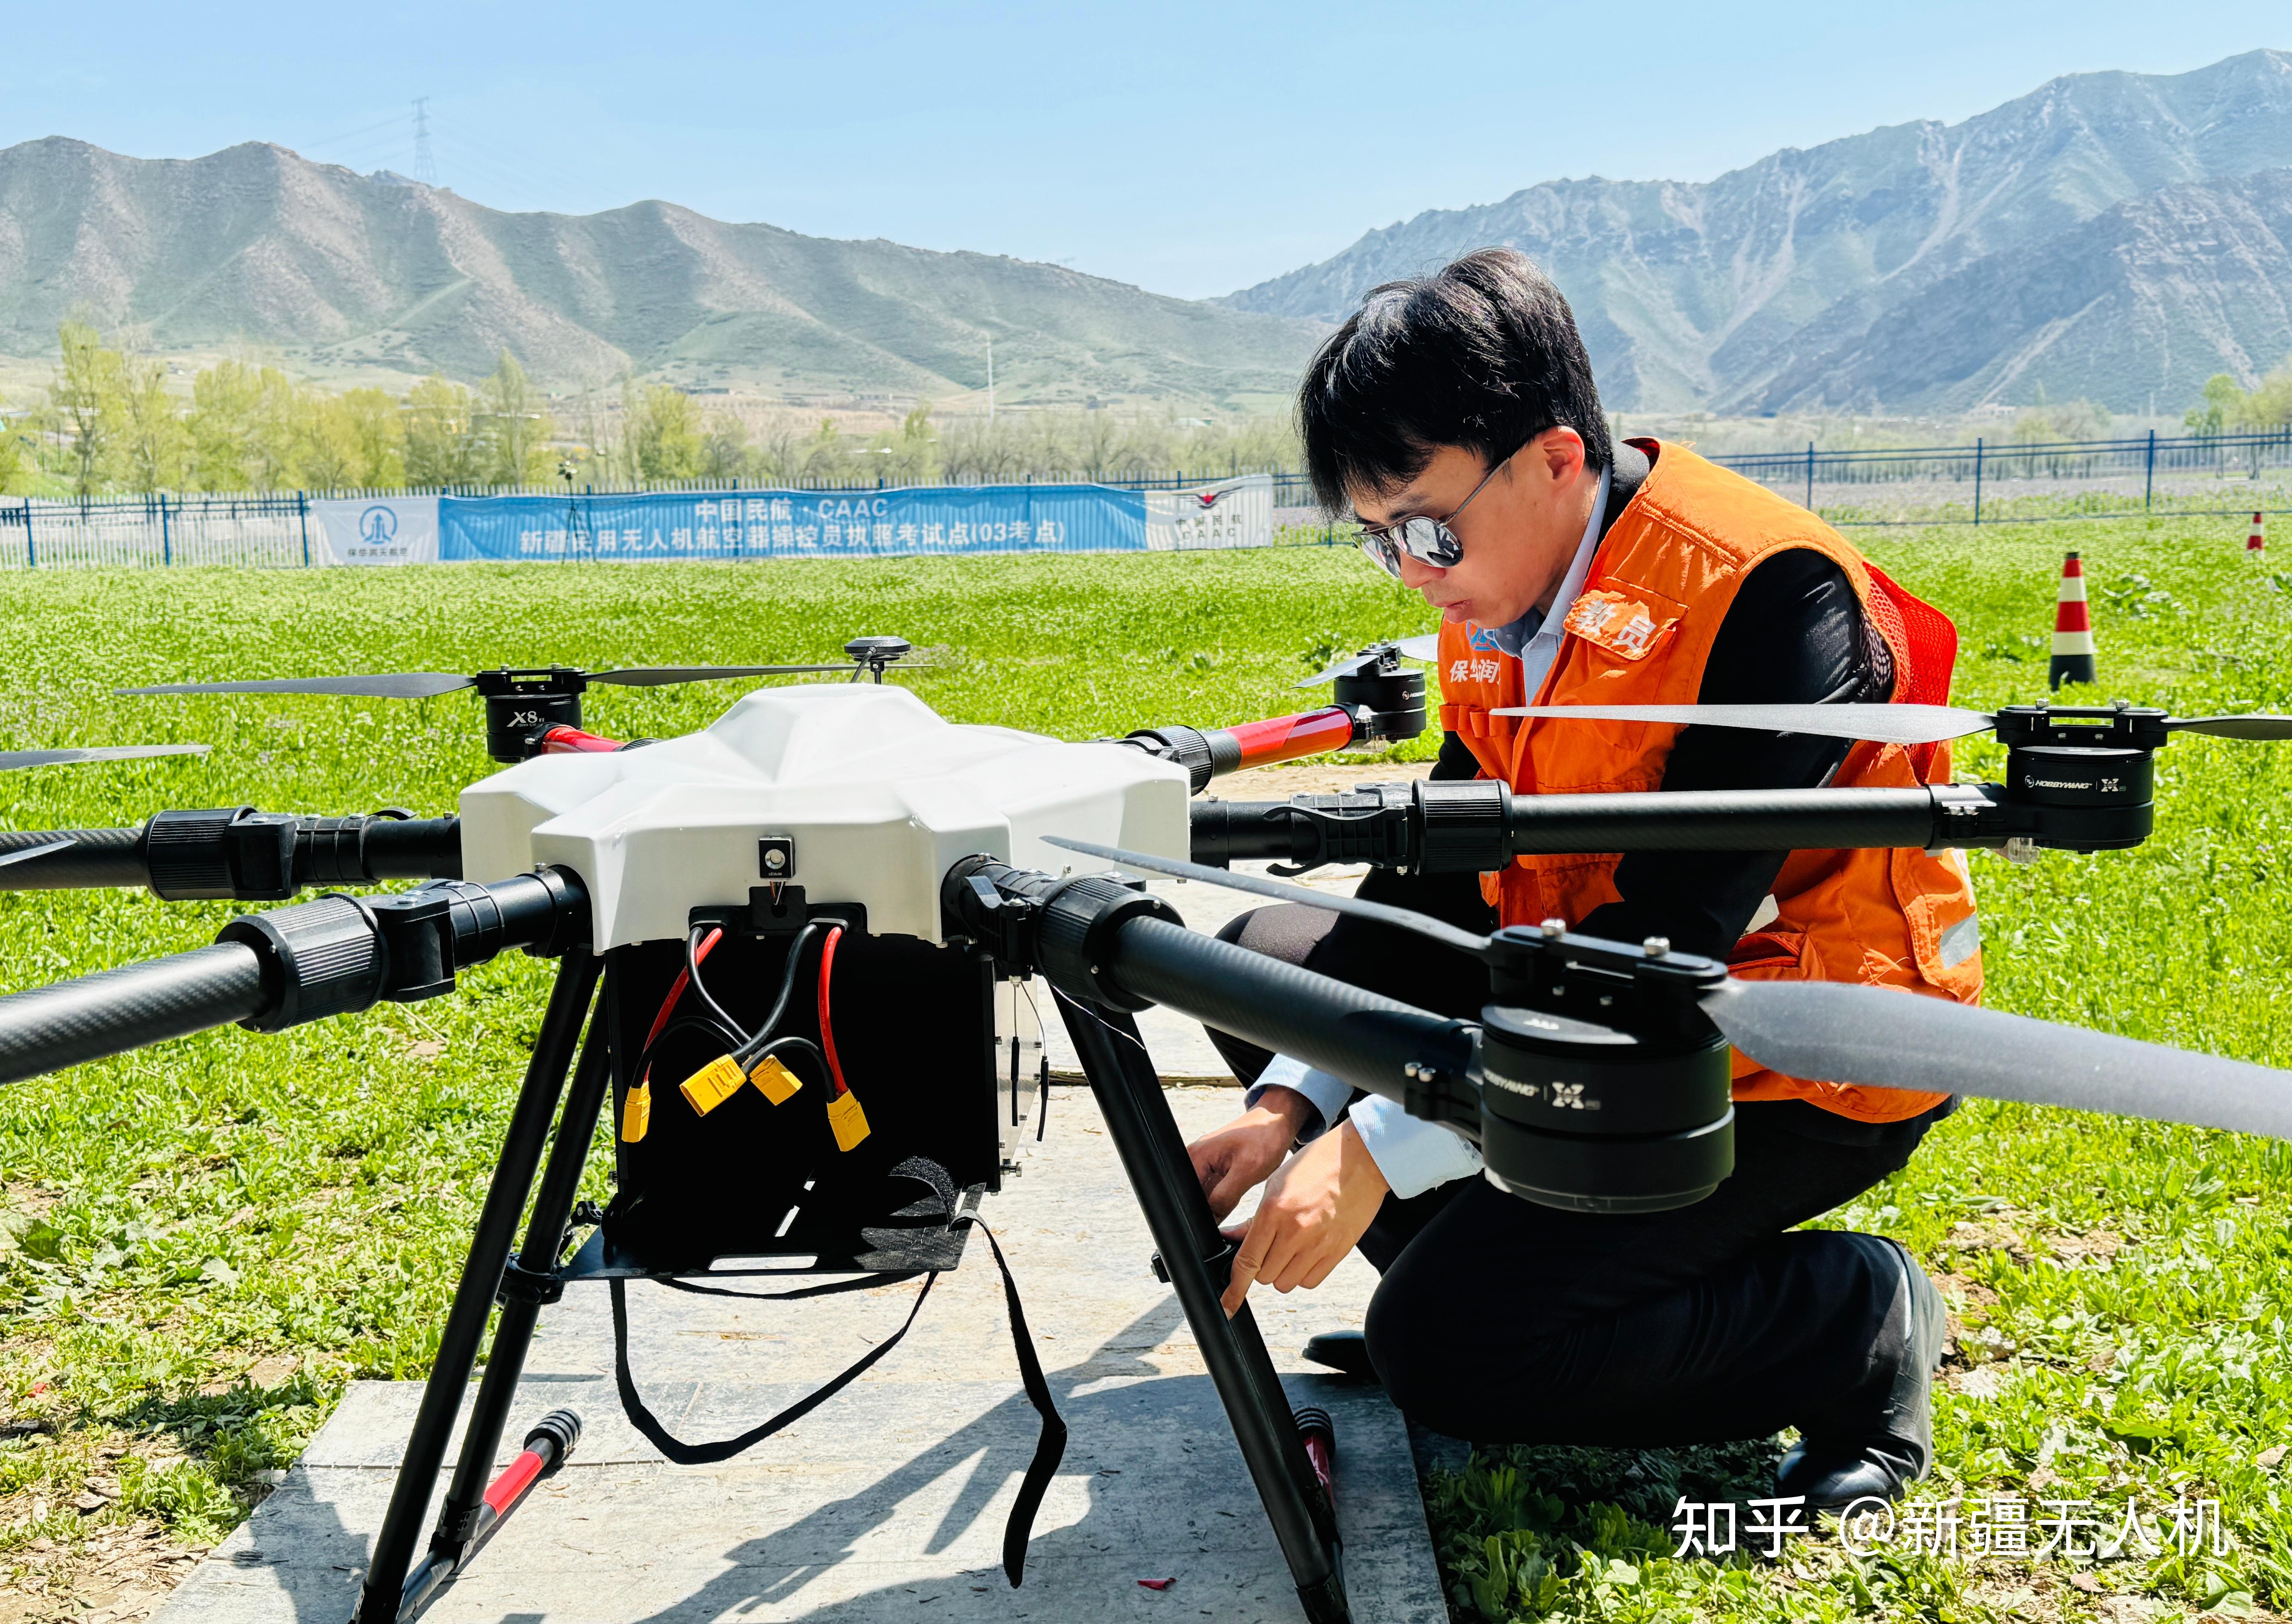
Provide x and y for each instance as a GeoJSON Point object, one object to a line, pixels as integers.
{"type": "Point", "coordinates": [1193, 148]}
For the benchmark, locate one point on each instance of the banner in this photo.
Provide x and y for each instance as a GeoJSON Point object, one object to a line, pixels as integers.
{"type": "Point", "coordinates": [378, 530]}
{"type": "Point", "coordinates": [1231, 514]}
{"type": "Point", "coordinates": [666, 525]}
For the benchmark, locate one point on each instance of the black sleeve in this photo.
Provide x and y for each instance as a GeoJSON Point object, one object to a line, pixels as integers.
{"type": "Point", "coordinates": [1794, 634]}
{"type": "Point", "coordinates": [1455, 761]}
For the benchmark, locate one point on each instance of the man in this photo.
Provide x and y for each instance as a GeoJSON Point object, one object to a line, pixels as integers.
{"type": "Point", "coordinates": [1456, 417]}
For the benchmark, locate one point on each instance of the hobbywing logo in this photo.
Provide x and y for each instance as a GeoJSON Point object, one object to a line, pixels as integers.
{"type": "Point", "coordinates": [378, 527]}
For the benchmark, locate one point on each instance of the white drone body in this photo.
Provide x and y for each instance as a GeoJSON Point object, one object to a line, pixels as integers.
{"type": "Point", "coordinates": [876, 795]}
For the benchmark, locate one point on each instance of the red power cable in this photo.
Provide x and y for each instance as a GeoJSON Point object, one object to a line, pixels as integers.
{"type": "Point", "coordinates": [827, 1032]}
{"type": "Point", "coordinates": [675, 991]}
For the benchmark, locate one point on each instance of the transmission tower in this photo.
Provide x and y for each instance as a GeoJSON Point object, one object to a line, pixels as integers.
{"type": "Point", "coordinates": [425, 166]}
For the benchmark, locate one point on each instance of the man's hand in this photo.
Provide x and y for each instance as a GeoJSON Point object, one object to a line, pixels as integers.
{"type": "Point", "coordinates": [1234, 1160]}
{"type": "Point", "coordinates": [1315, 1209]}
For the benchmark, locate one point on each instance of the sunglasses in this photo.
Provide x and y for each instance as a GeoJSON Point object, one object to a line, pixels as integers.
{"type": "Point", "coordinates": [1428, 541]}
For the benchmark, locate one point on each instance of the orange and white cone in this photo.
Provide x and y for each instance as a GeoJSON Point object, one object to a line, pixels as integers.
{"type": "Point", "coordinates": [2072, 659]}
{"type": "Point", "coordinates": [2257, 541]}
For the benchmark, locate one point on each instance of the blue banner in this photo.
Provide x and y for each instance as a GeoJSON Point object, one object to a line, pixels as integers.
{"type": "Point", "coordinates": [793, 523]}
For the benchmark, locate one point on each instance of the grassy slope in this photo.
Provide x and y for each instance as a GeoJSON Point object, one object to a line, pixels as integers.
{"type": "Point", "coordinates": [207, 1240]}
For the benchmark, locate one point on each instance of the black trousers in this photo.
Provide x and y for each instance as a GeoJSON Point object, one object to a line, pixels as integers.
{"type": "Point", "coordinates": [1507, 1323]}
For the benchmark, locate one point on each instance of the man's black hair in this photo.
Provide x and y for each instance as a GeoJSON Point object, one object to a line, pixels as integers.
{"type": "Point", "coordinates": [1483, 355]}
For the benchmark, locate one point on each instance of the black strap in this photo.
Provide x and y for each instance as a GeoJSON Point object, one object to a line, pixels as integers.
{"type": "Point", "coordinates": [1050, 1444]}
{"type": "Point", "coordinates": [708, 1454]}
{"type": "Point", "coordinates": [834, 1287]}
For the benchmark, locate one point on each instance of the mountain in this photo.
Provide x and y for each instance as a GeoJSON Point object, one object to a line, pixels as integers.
{"type": "Point", "coordinates": [2147, 298]}
{"type": "Point", "coordinates": [1864, 272]}
{"type": "Point", "coordinates": [345, 272]}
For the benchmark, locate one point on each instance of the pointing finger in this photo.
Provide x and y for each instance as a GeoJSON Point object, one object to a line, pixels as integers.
{"type": "Point", "coordinates": [1246, 1263]}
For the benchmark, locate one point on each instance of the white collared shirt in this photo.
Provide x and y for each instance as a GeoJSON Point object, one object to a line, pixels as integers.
{"type": "Point", "coordinates": [1413, 1154]}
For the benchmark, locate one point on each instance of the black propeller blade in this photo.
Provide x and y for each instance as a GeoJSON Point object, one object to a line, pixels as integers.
{"type": "Point", "coordinates": [663, 676]}
{"type": "Point", "coordinates": [1884, 1038]}
{"type": "Point", "coordinates": [1400, 918]}
{"type": "Point", "coordinates": [1852, 1034]}
{"type": "Point", "coordinates": [390, 685]}
{"type": "Point", "coordinates": [2254, 727]}
{"type": "Point", "coordinates": [1425, 647]}
{"type": "Point", "coordinates": [27, 853]}
{"type": "Point", "coordinates": [429, 684]}
{"type": "Point", "coordinates": [117, 752]}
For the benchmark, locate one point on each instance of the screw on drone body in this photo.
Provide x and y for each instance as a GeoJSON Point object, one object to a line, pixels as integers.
{"type": "Point", "coordinates": [1553, 928]}
{"type": "Point", "coordinates": [1656, 947]}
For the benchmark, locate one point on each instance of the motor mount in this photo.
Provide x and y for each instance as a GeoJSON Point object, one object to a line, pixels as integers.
{"type": "Point", "coordinates": [522, 706]}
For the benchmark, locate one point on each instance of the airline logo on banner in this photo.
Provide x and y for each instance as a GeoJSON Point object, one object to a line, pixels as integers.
{"type": "Point", "coordinates": [1230, 514]}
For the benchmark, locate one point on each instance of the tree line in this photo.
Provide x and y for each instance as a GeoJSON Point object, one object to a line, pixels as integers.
{"type": "Point", "coordinates": [2230, 408]}
{"type": "Point", "coordinates": [114, 422]}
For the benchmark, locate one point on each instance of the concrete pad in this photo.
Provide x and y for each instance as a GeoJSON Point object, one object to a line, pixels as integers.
{"type": "Point", "coordinates": [888, 1500]}
{"type": "Point", "coordinates": [1182, 1052]}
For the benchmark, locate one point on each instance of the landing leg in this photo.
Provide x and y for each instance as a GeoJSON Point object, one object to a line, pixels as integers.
{"type": "Point", "coordinates": [525, 1288]}
{"type": "Point", "coordinates": [1153, 1154]}
{"type": "Point", "coordinates": [482, 1273]}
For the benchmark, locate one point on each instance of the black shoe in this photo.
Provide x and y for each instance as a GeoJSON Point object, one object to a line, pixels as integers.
{"type": "Point", "coordinates": [1342, 1350]}
{"type": "Point", "coordinates": [1833, 1473]}
{"type": "Point", "coordinates": [1833, 1479]}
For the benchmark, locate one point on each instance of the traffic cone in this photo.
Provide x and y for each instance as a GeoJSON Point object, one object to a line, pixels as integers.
{"type": "Point", "coordinates": [2258, 542]}
{"type": "Point", "coordinates": [2072, 659]}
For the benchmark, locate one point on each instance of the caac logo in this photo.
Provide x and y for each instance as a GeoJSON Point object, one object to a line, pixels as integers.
{"type": "Point", "coordinates": [378, 526]}
{"type": "Point", "coordinates": [1211, 498]}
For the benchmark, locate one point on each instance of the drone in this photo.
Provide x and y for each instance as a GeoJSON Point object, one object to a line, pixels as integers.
{"type": "Point", "coordinates": [726, 909]}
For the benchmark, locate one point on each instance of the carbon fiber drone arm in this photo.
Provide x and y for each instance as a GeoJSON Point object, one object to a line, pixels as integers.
{"type": "Point", "coordinates": [270, 971]}
{"type": "Point", "coordinates": [1096, 939]}
{"type": "Point", "coordinates": [237, 854]}
{"type": "Point", "coordinates": [1477, 825]}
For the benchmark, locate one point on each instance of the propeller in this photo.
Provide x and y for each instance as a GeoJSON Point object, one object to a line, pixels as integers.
{"type": "Point", "coordinates": [27, 853]}
{"type": "Point", "coordinates": [1426, 648]}
{"type": "Point", "coordinates": [429, 684]}
{"type": "Point", "coordinates": [1903, 724]}
{"type": "Point", "coordinates": [1884, 1038]}
{"type": "Point", "coordinates": [115, 752]}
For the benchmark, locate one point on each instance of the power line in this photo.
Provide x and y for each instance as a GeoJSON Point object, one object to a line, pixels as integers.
{"type": "Point", "coordinates": [425, 166]}
{"type": "Point", "coordinates": [390, 123]}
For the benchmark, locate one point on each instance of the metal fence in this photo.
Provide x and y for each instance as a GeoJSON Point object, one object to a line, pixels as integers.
{"type": "Point", "coordinates": [2023, 481]}
{"type": "Point", "coordinates": [271, 531]}
{"type": "Point", "coordinates": [1985, 482]}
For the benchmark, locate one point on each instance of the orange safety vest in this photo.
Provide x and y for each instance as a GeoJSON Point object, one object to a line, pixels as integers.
{"type": "Point", "coordinates": [1658, 587]}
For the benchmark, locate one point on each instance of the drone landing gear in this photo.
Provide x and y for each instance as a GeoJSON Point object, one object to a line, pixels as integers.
{"type": "Point", "coordinates": [1195, 1258]}
{"type": "Point", "coordinates": [386, 1596]}
{"type": "Point", "coordinates": [1153, 1155]}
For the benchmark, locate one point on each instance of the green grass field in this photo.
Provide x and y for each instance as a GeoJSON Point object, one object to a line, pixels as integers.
{"type": "Point", "coordinates": [199, 1245]}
